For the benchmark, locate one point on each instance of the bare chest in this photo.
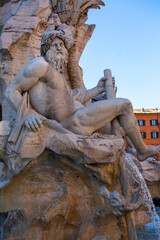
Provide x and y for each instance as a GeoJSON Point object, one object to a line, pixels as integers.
{"type": "Point", "coordinates": [54, 80]}
{"type": "Point", "coordinates": [51, 97]}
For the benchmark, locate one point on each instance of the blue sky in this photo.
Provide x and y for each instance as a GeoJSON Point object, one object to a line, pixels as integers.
{"type": "Point", "coordinates": [126, 40]}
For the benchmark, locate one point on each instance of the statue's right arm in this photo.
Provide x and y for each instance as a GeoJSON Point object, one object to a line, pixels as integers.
{"type": "Point", "coordinates": [25, 80]}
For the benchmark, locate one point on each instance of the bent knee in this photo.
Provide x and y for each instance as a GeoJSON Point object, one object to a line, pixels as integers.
{"type": "Point", "coordinates": [129, 105]}
{"type": "Point", "coordinates": [126, 104]}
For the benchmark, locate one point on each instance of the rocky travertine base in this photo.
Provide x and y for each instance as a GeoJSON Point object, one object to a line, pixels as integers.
{"type": "Point", "coordinates": [151, 173]}
{"type": "Point", "coordinates": [52, 198]}
{"type": "Point", "coordinates": [89, 194]}
{"type": "Point", "coordinates": [55, 198]}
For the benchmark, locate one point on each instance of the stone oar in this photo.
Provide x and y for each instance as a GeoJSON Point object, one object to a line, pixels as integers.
{"type": "Point", "coordinates": [119, 132]}
{"type": "Point", "coordinates": [115, 126]}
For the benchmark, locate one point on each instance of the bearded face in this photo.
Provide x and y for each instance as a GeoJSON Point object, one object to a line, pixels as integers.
{"type": "Point", "coordinates": [57, 55]}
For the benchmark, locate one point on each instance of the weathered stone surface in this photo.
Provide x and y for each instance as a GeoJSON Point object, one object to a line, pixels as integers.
{"type": "Point", "coordinates": [55, 199]}
{"type": "Point", "coordinates": [142, 217]}
{"type": "Point", "coordinates": [151, 173]}
{"type": "Point", "coordinates": [151, 170]}
{"type": "Point", "coordinates": [5, 130]}
{"type": "Point", "coordinates": [100, 155]}
{"type": "Point", "coordinates": [101, 238]}
{"type": "Point", "coordinates": [54, 191]}
{"type": "Point", "coordinates": [59, 179]}
{"type": "Point", "coordinates": [74, 12]}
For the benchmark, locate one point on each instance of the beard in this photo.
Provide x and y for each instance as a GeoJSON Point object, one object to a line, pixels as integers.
{"type": "Point", "coordinates": [57, 60]}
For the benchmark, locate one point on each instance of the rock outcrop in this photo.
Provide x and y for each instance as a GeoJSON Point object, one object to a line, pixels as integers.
{"type": "Point", "coordinates": [54, 197]}
{"type": "Point", "coordinates": [80, 188]}
{"type": "Point", "coordinates": [151, 172]}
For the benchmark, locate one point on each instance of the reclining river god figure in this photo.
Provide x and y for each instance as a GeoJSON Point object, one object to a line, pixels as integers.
{"type": "Point", "coordinates": [44, 80]}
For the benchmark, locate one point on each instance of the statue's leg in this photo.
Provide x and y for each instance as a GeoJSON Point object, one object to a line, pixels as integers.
{"type": "Point", "coordinates": [88, 119]}
{"type": "Point", "coordinates": [96, 115]}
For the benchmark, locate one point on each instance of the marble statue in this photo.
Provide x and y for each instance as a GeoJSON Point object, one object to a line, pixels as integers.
{"type": "Point", "coordinates": [68, 167]}
{"type": "Point", "coordinates": [44, 80]}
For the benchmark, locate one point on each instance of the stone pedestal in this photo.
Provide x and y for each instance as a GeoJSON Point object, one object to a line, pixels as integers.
{"type": "Point", "coordinates": [53, 198]}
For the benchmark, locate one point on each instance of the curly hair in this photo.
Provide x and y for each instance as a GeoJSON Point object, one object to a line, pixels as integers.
{"type": "Point", "coordinates": [46, 42]}
{"type": "Point", "coordinates": [50, 36]}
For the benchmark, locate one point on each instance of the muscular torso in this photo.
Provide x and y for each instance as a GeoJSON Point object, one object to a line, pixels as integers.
{"type": "Point", "coordinates": [51, 97]}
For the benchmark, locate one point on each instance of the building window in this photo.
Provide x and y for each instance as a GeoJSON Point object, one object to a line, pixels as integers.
{"type": "Point", "coordinates": [141, 122]}
{"type": "Point", "coordinates": [154, 134]}
{"type": "Point", "coordinates": [143, 134]}
{"type": "Point", "coordinates": [154, 122]}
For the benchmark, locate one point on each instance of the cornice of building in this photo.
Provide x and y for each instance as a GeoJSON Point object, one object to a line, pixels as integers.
{"type": "Point", "coordinates": [145, 111]}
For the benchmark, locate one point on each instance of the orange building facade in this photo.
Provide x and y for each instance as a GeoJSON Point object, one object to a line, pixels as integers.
{"type": "Point", "coordinates": [149, 123]}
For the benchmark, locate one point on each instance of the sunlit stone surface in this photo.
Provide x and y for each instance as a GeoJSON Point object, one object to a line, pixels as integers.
{"type": "Point", "coordinates": [71, 179]}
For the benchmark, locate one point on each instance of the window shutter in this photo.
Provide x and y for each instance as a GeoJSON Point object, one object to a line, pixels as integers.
{"type": "Point", "coordinates": [150, 122]}
{"type": "Point", "coordinates": [157, 122]}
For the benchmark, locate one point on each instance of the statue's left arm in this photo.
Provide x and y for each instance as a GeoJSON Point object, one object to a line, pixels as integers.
{"type": "Point", "coordinates": [93, 92]}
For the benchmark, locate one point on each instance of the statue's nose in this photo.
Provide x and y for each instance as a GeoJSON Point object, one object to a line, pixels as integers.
{"type": "Point", "coordinates": [58, 47]}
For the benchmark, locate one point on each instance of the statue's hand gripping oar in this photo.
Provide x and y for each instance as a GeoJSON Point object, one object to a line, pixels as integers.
{"type": "Point", "coordinates": [116, 128]}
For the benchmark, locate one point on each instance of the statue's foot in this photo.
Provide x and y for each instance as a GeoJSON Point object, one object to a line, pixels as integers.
{"type": "Point", "coordinates": [151, 151]}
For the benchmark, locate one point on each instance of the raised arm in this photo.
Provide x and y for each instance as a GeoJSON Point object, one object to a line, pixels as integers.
{"type": "Point", "coordinates": [35, 69]}
{"type": "Point", "coordinates": [91, 93]}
